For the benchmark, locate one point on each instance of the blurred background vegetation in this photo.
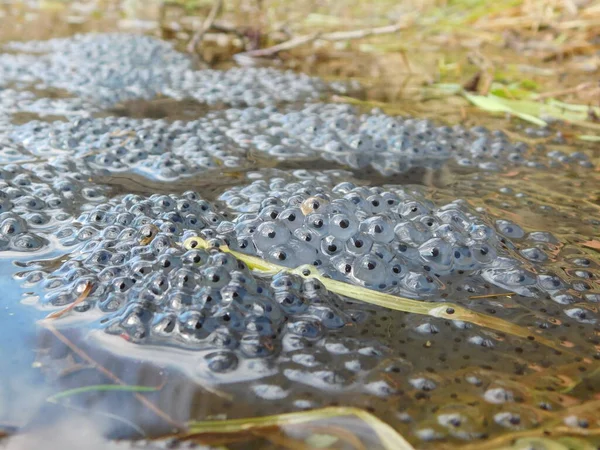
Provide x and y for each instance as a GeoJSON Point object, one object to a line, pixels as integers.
{"type": "Point", "coordinates": [534, 59]}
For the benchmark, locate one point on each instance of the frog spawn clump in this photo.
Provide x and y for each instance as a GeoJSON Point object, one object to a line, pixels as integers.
{"type": "Point", "coordinates": [158, 149]}
{"type": "Point", "coordinates": [140, 284]}
{"type": "Point", "coordinates": [107, 69]}
{"type": "Point", "coordinates": [15, 101]}
{"type": "Point", "coordinates": [128, 261]}
{"type": "Point", "coordinates": [390, 145]}
{"type": "Point", "coordinates": [391, 240]}
{"type": "Point", "coordinates": [155, 149]}
{"type": "Point", "coordinates": [37, 198]}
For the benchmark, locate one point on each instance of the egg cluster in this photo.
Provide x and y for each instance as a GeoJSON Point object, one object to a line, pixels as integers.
{"type": "Point", "coordinates": [107, 69]}
{"type": "Point", "coordinates": [156, 149]}
{"type": "Point", "coordinates": [390, 240]}
{"type": "Point", "coordinates": [393, 240]}
{"type": "Point", "coordinates": [37, 198]}
{"type": "Point", "coordinates": [288, 336]}
{"type": "Point", "coordinates": [16, 101]}
{"type": "Point", "coordinates": [159, 149]}
{"type": "Point", "coordinates": [123, 267]}
{"type": "Point", "coordinates": [128, 261]}
{"type": "Point", "coordinates": [390, 145]}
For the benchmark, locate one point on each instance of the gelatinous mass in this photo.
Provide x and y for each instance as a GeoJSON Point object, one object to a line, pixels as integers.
{"type": "Point", "coordinates": [125, 268]}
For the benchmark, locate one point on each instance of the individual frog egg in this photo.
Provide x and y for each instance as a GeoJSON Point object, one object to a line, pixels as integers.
{"type": "Point", "coordinates": [292, 218]}
{"type": "Point", "coordinates": [331, 246]}
{"type": "Point", "coordinates": [317, 223]}
{"type": "Point", "coordinates": [483, 253]}
{"type": "Point", "coordinates": [27, 242]}
{"type": "Point", "coordinates": [411, 209]}
{"type": "Point", "coordinates": [396, 271]}
{"type": "Point", "coordinates": [343, 263]}
{"type": "Point", "coordinates": [481, 232]}
{"type": "Point", "coordinates": [269, 234]}
{"type": "Point", "coordinates": [343, 226]}
{"type": "Point", "coordinates": [359, 244]}
{"type": "Point", "coordinates": [382, 251]}
{"type": "Point", "coordinates": [378, 228]}
{"type": "Point", "coordinates": [510, 229]}
{"type": "Point", "coordinates": [419, 284]}
{"type": "Point", "coordinates": [437, 254]}
{"type": "Point", "coordinates": [463, 259]}
{"type": "Point", "coordinates": [12, 225]}
{"type": "Point", "coordinates": [409, 233]}
{"type": "Point", "coordinates": [512, 279]}
{"type": "Point", "coordinates": [369, 270]}
{"type": "Point", "coordinates": [313, 205]}
{"type": "Point", "coordinates": [292, 254]}
{"type": "Point", "coordinates": [308, 236]}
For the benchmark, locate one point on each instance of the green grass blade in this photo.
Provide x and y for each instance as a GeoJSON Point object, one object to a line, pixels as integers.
{"type": "Point", "coordinates": [100, 388]}
{"type": "Point", "coordinates": [531, 111]}
{"type": "Point", "coordinates": [444, 310]}
{"type": "Point", "coordinates": [588, 138]}
{"type": "Point", "coordinates": [585, 109]}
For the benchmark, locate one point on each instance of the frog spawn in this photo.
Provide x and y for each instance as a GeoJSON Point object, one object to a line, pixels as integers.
{"type": "Point", "coordinates": [336, 134]}
{"type": "Point", "coordinates": [110, 68]}
{"type": "Point", "coordinates": [389, 145]}
{"type": "Point", "coordinates": [155, 149]}
{"type": "Point", "coordinates": [37, 198]}
{"type": "Point", "coordinates": [146, 288]}
{"type": "Point", "coordinates": [101, 225]}
{"type": "Point", "coordinates": [16, 101]}
{"type": "Point", "coordinates": [390, 240]}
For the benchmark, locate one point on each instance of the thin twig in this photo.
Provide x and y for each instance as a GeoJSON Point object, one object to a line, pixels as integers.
{"type": "Point", "coordinates": [206, 25]}
{"type": "Point", "coordinates": [287, 45]}
{"type": "Point", "coordinates": [333, 36]}
{"type": "Point", "coordinates": [360, 34]}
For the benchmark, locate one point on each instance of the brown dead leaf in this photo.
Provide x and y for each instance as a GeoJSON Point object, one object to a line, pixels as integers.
{"type": "Point", "coordinates": [593, 244]}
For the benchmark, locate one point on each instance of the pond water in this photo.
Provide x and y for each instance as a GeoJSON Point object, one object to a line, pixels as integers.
{"type": "Point", "coordinates": [115, 151]}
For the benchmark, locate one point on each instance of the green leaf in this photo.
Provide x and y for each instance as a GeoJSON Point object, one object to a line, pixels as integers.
{"type": "Point", "coordinates": [494, 104]}
{"type": "Point", "coordinates": [573, 106]}
{"type": "Point", "coordinates": [529, 85]}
